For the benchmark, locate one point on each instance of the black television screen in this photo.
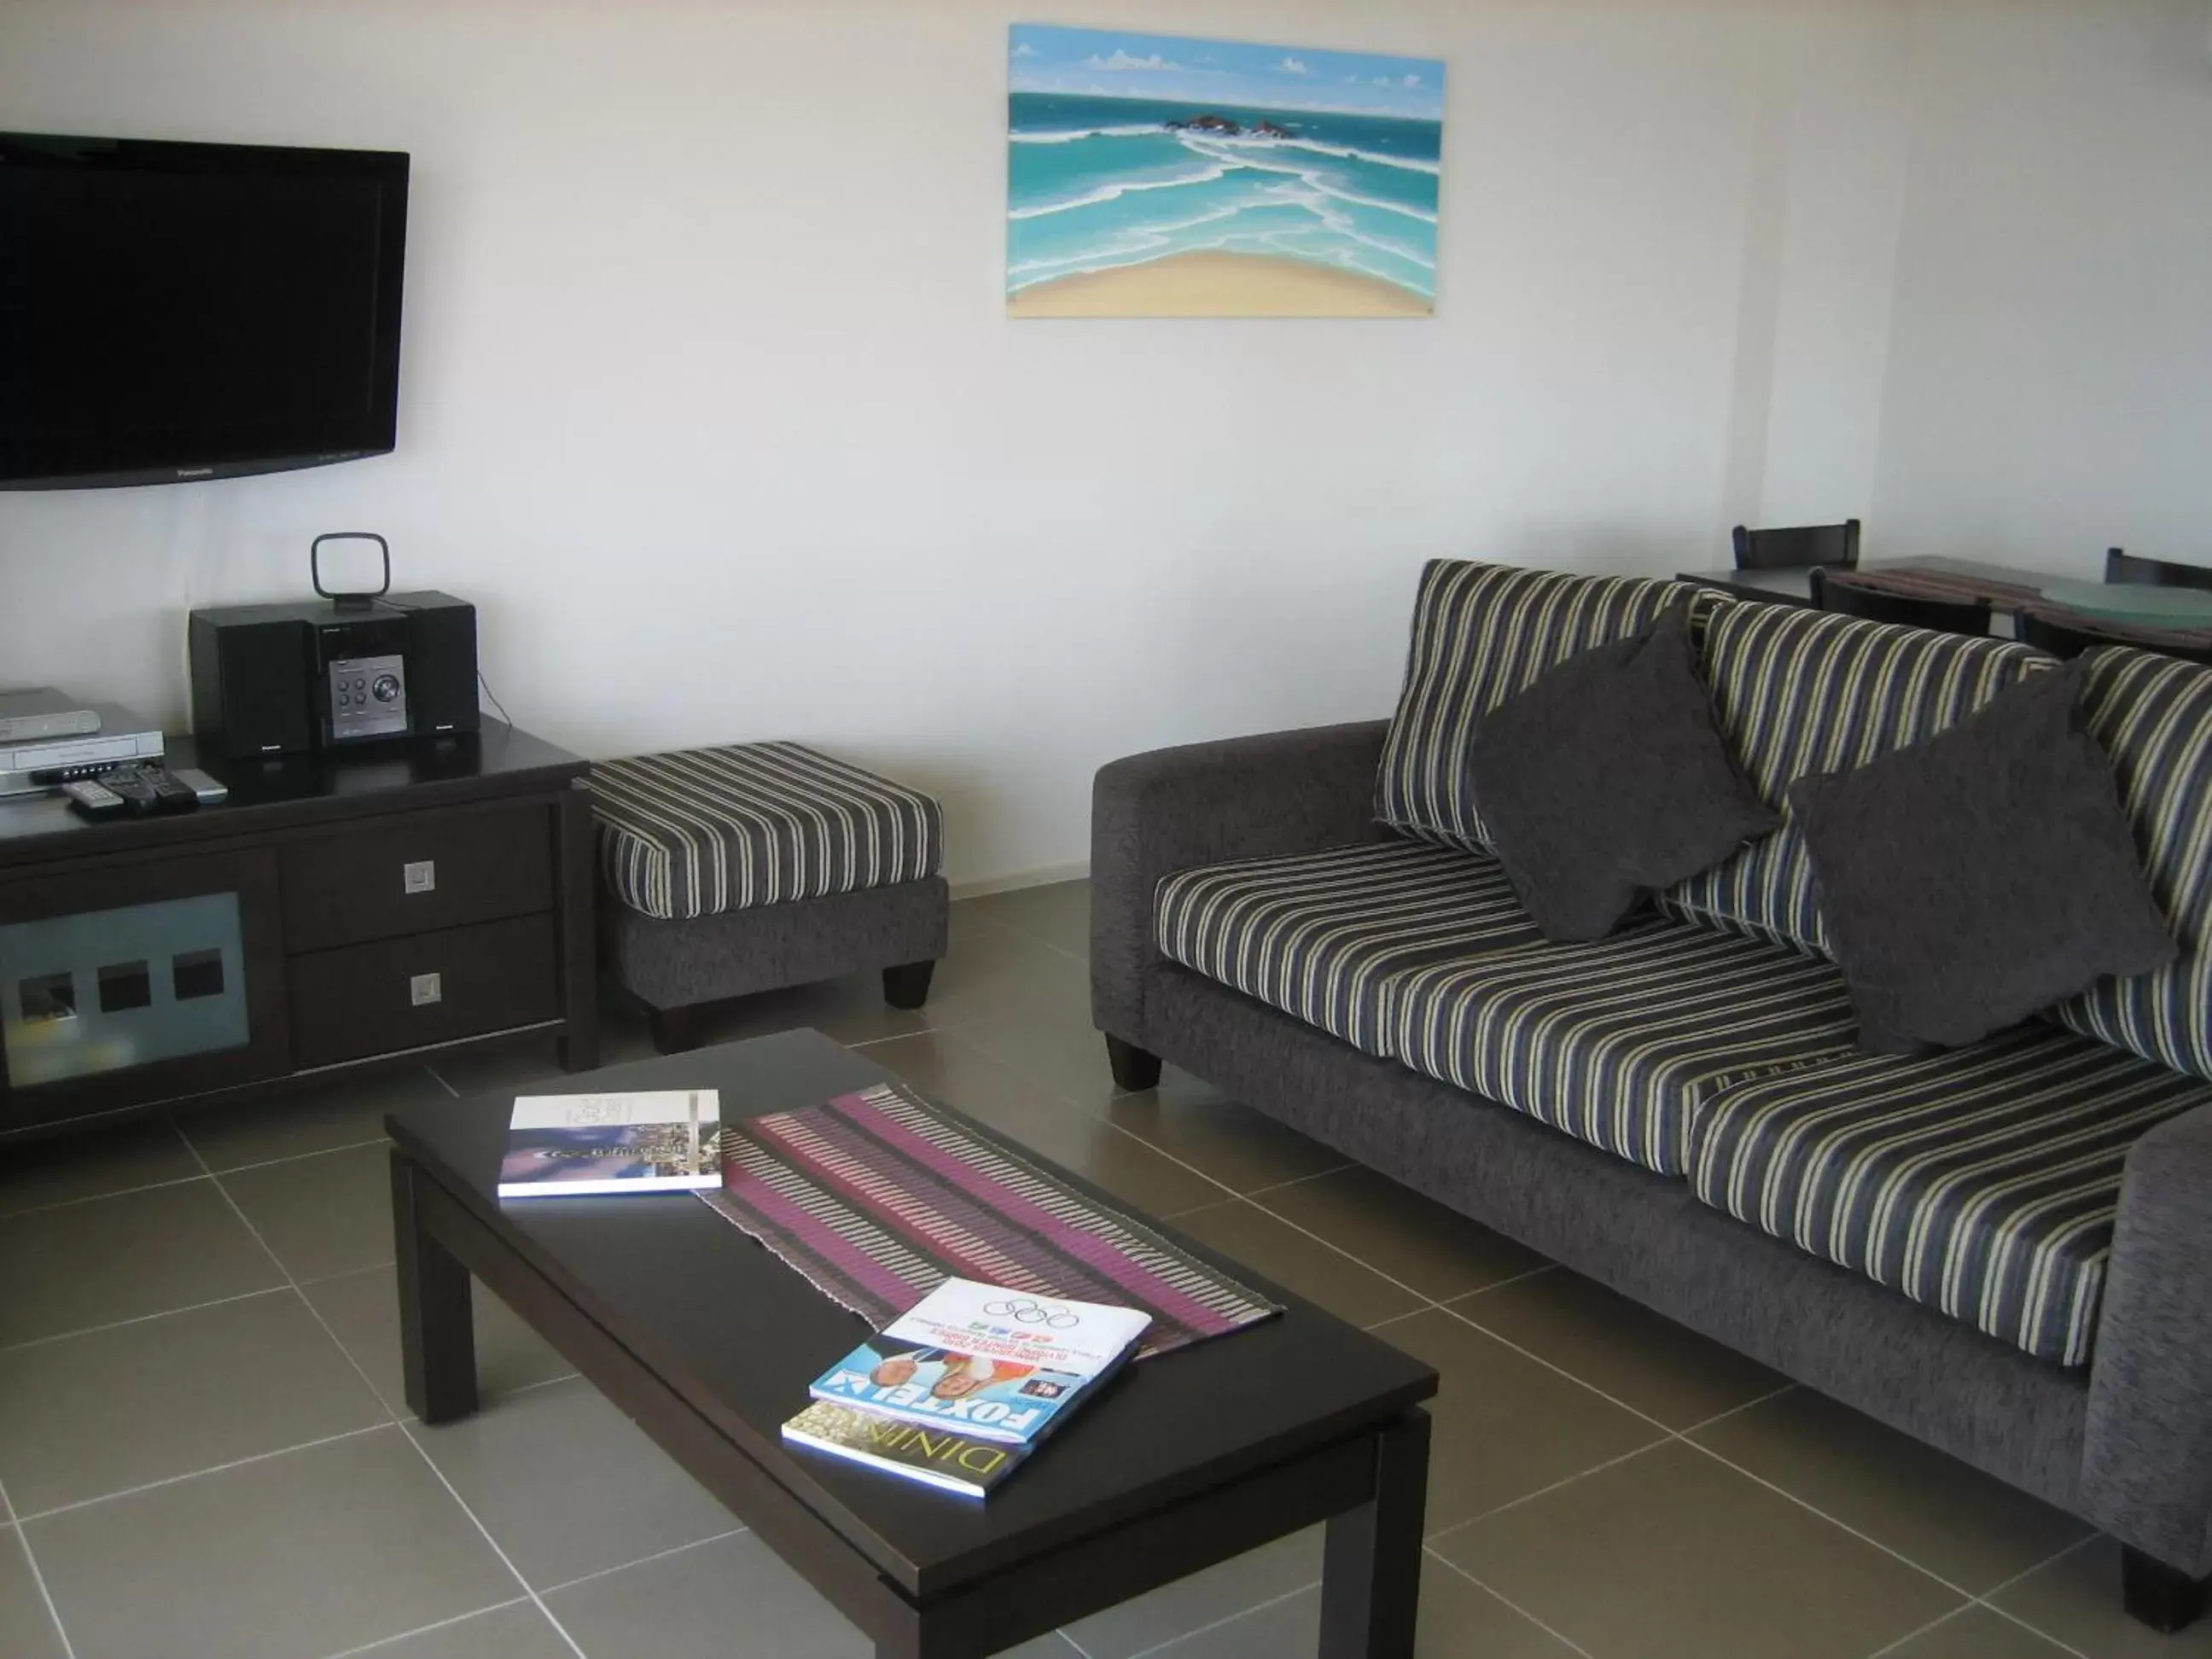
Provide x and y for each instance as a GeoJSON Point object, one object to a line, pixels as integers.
{"type": "Point", "coordinates": [174, 311]}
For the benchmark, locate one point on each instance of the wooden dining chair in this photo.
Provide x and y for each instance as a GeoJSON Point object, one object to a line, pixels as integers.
{"type": "Point", "coordinates": [2072, 638]}
{"type": "Point", "coordinates": [1853, 599]}
{"type": "Point", "coordinates": [1815, 544]}
{"type": "Point", "coordinates": [2120, 566]}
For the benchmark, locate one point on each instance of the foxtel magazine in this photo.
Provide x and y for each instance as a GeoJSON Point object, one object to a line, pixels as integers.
{"type": "Point", "coordinates": [983, 1361]}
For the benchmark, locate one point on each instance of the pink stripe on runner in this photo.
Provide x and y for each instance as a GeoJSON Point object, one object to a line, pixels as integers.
{"type": "Point", "coordinates": [825, 1242]}
{"type": "Point", "coordinates": [1093, 1251]}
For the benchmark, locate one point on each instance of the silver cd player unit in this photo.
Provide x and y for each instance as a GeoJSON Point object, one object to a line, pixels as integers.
{"type": "Point", "coordinates": [27, 767]}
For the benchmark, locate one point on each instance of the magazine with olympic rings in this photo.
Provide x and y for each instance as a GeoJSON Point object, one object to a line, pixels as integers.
{"type": "Point", "coordinates": [984, 1361]}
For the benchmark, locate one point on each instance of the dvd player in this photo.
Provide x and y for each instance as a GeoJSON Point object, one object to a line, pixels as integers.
{"type": "Point", "coordinates": [27, 767]}
{"type": "Point", "coordinates": [40, 711]}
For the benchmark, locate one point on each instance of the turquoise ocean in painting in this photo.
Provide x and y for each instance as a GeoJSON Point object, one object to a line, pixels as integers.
{"type": "Point", "coordinates": [1098, 182]}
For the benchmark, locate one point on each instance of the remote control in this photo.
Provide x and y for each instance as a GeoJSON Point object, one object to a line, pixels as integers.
{"type": "Point", "coordinates": [206, 789]}
{"type": "Point", "coordinates": [95, 801]}
{"type": "Point", "coordinates": [147, 789]}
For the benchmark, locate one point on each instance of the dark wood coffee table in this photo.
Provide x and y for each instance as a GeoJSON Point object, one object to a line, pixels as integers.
{"type": "Point", "coordinates": [709, 1342]}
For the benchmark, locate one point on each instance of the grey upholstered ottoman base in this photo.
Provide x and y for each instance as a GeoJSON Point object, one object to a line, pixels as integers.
{"type": "Point", "coordinates": [677, 968]}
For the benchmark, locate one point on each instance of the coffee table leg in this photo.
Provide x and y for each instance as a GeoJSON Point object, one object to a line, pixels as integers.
{"type": "Point", "coordinates": [437, 1338]}
{"type": "Point", "coordinates": [1370, 1589]}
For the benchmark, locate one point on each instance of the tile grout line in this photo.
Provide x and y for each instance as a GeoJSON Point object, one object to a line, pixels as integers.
{"type": "Point", "coordinates": [425, 1630]}
{"type": "Point", "coordinates": [1984, 1602]}
{"type": "Point", "coordinates": [1511, 1504]}
{"type": "Point", "coordinates": [213, 1468]}
{"type": "Point", "coordinates": [1059, 1098]}
{"type": "Point", "coordinates": [505, 1560]}
{"type": "Point", "coordinates": [38, 1578]}
{"type": "Point", "coordinates": [141, 1319]}
{"type": "Point", "coordinates": [99, 1197]}
{"type": "Point", "coordinates": [428, 1462]}
{"type": "Point", "coordinates": [1557, 1636]}
{"type": "Point", "coordinates": [1984, 1599]}
{"type": "Point", "coordinates": [642, 1560]}
{"type": "Point", "coordinates": [207, 1173]}
{"type": "Point", "coordinates": [1814, 1509]}
{"type": "Point", "coordinates": [1227, 1619]}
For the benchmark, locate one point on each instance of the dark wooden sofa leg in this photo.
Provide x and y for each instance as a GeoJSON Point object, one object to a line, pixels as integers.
{"type": "Point", "coordinates": [2165, 1598]}
{"type": "Point", "coordinates": [1134, 1070]}
{"type": "Point", "coordinates": [907, 985]}
{"type": "Point", "coordinates": [674, 1029]}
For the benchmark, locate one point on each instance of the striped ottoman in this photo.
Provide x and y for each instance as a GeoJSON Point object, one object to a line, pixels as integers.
{"type": "Point", "coordinates": [724, 873]}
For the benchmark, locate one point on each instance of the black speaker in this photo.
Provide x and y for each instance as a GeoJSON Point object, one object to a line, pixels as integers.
{"type": "Point", "coordinates": [442, 664]}
{"type": "Point", "coordinates": [250, 668]}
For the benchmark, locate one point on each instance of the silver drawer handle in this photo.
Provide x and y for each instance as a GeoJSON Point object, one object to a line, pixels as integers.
{"type": "Point", "coordinates": [424, 989]}
{"type": "Point", "coordinates": [420, 878]}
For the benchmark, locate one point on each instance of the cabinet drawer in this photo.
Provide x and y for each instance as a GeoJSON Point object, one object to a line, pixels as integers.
{"type": "Point", "coordinates": [410, 875]}
{"type": "Point", "coordinates": [428, 988]}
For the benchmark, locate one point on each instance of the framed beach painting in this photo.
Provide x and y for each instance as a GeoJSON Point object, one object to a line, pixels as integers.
{"type": "Point", "coordinates": [1152, 175]}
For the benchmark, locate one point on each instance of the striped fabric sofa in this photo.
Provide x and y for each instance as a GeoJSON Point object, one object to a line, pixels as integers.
{"type": "Point", "coordinates": [2004, 1250]}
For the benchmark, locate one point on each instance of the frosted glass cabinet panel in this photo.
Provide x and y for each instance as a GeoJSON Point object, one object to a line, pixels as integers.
{"type": "Point", "coordinates": [138, 980]}
{"type": "Point", "coordinates": [107, 990]}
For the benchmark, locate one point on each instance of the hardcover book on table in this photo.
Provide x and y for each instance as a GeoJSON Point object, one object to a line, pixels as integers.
{"type": "Point", "coordinates": [666, 1140]}
{"type": "Point", "coordinates": [965, 1463]}
{"type": "Point", "coordinates": [994, 1364]}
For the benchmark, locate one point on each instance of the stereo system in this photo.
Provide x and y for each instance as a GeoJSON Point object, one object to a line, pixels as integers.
{"type": "Point", "coordinates": [275, 680]}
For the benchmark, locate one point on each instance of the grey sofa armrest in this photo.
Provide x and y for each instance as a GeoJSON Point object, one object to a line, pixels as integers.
{"type": "Point", "coordinates": [2146, 1465]}
{"type": "Point", "coordinates": [1151, 814]}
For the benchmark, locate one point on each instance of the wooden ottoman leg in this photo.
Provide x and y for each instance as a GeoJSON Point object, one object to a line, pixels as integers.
{"type": "Point", "coordinates": [908, 986]}
{"type": "Point", "coordinates": [674, 1029]}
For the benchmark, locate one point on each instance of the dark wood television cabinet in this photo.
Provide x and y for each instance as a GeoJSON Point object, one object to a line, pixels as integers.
{"type": "Point", "coordinates": [342, 909]}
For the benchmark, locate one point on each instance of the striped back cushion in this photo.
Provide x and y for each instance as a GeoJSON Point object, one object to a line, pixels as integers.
{"type": "Point", "coordinates": [1482, 632]}
{"type": "Point", "coordinates": [702, 831]}
{"type": "Point", "coordinates": [2154, 715]}
{"type": "Point", "coordinates": [1800, 691]}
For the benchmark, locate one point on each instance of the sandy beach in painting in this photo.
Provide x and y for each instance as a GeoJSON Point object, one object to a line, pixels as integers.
{"type": "Point", "coordinates": [1217, 285]}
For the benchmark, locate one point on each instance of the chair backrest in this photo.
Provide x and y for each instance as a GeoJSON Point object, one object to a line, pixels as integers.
{"type": "Point", "coordinates": [1855, 599]}
{"type": "Point", "coordinates": [2121, 567]}
{"type": "Point", "coordinates": [2071, 638]}
{"type": "Point", "coordinates": [1812, 544]}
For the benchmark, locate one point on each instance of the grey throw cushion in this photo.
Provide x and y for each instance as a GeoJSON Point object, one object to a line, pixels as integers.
{"type": "Point", "coordinates": [1606, 778]}
{"type": "Point", "coordinates": [1980, 875]}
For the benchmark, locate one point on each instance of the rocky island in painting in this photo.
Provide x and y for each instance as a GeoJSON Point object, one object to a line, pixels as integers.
{"type": "Point", "coordinates": [1157, 176]}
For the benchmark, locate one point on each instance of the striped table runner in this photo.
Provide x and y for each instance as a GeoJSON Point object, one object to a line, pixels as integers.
{"type": "Point", "coordinates": [877, 1197]}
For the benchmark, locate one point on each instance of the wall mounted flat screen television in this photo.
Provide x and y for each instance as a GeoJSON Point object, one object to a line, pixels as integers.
{"type": "Point", "coordinates": [176, 310]}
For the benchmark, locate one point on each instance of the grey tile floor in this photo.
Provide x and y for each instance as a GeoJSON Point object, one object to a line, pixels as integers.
{"type": "Point", "coordinates": [204, 1454]}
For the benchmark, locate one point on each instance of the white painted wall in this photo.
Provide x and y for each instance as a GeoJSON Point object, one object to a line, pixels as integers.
{"type": "Point", "coordinates": [709, 401]}
{"type": "Point", "coordinates": [2049, 381]}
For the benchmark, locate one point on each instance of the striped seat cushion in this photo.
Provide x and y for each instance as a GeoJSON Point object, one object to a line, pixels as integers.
{"type": "Point", "coordinates": [1980, 1180]}
{"type": "Point", "coordinates": [2154, 715]}
{"type": "Point", "coordinates": [1324, 935]}
{"type": "Point", "coordinates": [1620, 1042]}
{"type": "Point", "coordinates": [701, 831]}
{"type": "Point", "coordinates": [1480, 633]}
{"type": "Point", "coordinates": [1800, 691]}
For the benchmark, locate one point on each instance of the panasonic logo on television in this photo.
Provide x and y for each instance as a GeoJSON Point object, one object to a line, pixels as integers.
{"type": "Point", "coordinates": [196, 472]}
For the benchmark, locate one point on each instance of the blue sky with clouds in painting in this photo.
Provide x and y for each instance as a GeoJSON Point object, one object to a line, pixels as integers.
{"type": "Point", "coordinates": [1118, 64]}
